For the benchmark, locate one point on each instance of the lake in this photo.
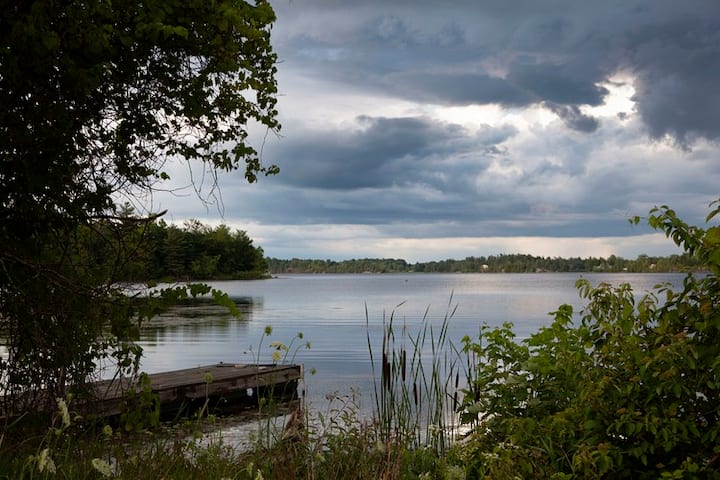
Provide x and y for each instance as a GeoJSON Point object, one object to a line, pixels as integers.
{"type": "Point", "coordinates": [330, 311]}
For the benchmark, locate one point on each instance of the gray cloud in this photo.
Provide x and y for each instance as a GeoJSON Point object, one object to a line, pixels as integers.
{"type": "Point", "coordinates": [574, 119]}
{"type": "Point", "coordinates": [678, 69]}
{"type": "Point", "coordinates": [565, 83]}
{"type": "Point", "coordinates": [364, 84]}
{"type": "Point", "coordinates": [524, 53]}
{"type": "Point", "coordinates": [383, 152]}
{"type": "Point", "coordinates": [457, 88]}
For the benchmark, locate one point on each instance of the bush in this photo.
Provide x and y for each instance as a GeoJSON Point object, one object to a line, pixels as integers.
{"type": "Point", "coordinates": [629, 388]}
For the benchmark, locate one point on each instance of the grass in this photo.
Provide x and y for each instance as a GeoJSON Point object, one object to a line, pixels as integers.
{"type": "Point", "coordinates": [416, 398]}
{"type": "Point", "coordinates": [408, 436]}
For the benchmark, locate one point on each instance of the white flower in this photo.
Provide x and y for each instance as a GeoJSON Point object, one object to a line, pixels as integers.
{"type": "Point", "coordinates": [454, 472]}
{"type": "Point", "coordinates": [102, 466]}
{"type": "Point", "coordinates": [64, 413]}
{"type": "Point", "coordinates": [278, 345]}
{"type": "Point", "coordinates": [45, 462]}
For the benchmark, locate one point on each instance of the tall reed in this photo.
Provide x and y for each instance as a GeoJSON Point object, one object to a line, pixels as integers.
{"type": "Point", "coordinates": [416, 391]}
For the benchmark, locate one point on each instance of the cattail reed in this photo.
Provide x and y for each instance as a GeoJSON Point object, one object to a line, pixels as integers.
{"type": "Point", "coordinates": [385, 371]}
{"type": "Point", "coordinates": [416, 397]}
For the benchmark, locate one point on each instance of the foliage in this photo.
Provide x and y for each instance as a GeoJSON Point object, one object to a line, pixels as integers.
{"type": "Point", "coordinates": [416, 391]}
{"type": "Point", "coordinates": [192, 252]}
{"type": "Point", "coordinates": [627, 388]}
{"type": "Point", "coordinates": [96, 98]}
{"type": "Point", "coordinates": [513, 263]}
{"type": "Point", "coordinates": [335, 443]}
{"type": "Point", "coordinates": [630, 389]}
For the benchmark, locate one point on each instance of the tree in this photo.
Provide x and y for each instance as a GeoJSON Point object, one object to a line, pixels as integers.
{"type": "Point", "coordinates": [628, 389]}
{"type": "Point", "coordinates": [96, 97]}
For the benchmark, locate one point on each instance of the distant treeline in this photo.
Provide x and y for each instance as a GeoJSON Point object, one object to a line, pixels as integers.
{"type": "Point", "coordinates": [514, 263]}
{"type": "Point", "coordinates": [192, 252]}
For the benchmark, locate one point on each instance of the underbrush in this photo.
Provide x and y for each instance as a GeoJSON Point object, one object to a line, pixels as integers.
{"type": "Point", "coordinates": [408, 436]}
{"type": "Point", "coordinates": [335, 444]}
{"type": "Point", "coordinates": [629, 388]}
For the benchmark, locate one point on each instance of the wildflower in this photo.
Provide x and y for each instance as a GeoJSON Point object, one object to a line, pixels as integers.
{"type": "Point", "coordinates": [380, 446]}
{"type": "Point", "coordinates": [107, 431]}
{"type": "Point", "coordinates": [208, 377]}
{"type": "Point", "coordinates": [490, 456]}
{"type": "Point", "coordinates": [276, 356]}
{"type": "Point", "coordinates": [455, 472]}
{"type": "Point", "coordinates": [278, 345]}
{"type": "Point", "coordinates": [102, 466]}
{"type": "Point", "coordinates": [45, 462]}
{"type": "Point", "coordinates": [268, 330]}
{"type": "Point", "coordinates": [64, 413]}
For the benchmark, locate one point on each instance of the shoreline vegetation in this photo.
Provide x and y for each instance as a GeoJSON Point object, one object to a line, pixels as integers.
{"type": "Point", "coordinates": [626, 387]}
{"type": "Point", "coordinates": [503, 263]}
{"type": "Point", "coordinates": [192, 252]}
{"type": "Point", "coordinates": [103, 101]}
{"type": "Point", "coordinates": [197, 252]}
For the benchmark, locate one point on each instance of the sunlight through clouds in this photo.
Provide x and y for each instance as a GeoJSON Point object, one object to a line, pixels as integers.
{"type": "Point", "coordinates": [433, 131]}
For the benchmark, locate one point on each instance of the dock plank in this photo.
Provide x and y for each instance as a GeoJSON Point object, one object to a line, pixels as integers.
{"type": "Point", "coordinates": [232, 382]}
{"type": "Point", "coordinates": [177, 389]}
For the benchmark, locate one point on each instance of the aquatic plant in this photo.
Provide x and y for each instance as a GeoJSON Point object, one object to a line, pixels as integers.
{"type": "Point", "coordinates": [416, 390]}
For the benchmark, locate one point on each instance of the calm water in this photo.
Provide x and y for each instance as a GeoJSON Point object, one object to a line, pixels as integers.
{"type": "Point", "coordinates": [330, 311]}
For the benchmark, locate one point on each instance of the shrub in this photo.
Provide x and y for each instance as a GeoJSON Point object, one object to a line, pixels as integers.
{"type": "Point", "coordinates": [629, 388]}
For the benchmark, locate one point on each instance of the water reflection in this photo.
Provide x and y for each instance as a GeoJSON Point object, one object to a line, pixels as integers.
{"type": "Point", "coordinates": [197, 318]}
{"type": "Point", "coordinates": [336, 313]}
{"type": "Point", "coordinates": [196, 332]}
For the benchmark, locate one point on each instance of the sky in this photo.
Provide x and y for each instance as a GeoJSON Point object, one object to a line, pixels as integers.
{"type": "Point", "coordinates": [428, 130]}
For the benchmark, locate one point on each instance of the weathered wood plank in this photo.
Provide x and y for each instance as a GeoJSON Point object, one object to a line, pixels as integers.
{"type": "Point", "coordinates": [175, 389]}
{"type": "Point", "coordinates": [233, 382]}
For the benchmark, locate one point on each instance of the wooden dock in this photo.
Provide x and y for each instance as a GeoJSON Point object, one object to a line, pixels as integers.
{"type": "Point", "coordinates": [221, 385]}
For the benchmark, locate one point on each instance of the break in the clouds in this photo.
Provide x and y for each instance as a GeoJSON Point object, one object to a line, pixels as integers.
{"type": "Point", "coordinates": [520, 53]}
{"type": "Point", "coordinates": [426, 129]}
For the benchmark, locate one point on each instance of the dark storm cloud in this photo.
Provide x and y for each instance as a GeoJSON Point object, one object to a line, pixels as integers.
{"type": "Point", "coordinates": [523, 53]}
{"type": "Point", "coordinates": [678, 70]}
{"type": "Point", "coordinates": [370, 150]}
{"type": "Point", "coordinates": [565, 83]}
{"type": "Point", "coordinates": [416, 213]}
{"type": "Point", "coordinates": [573, 118]}
{"type": "Point", "coordinates": [382, 152]}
